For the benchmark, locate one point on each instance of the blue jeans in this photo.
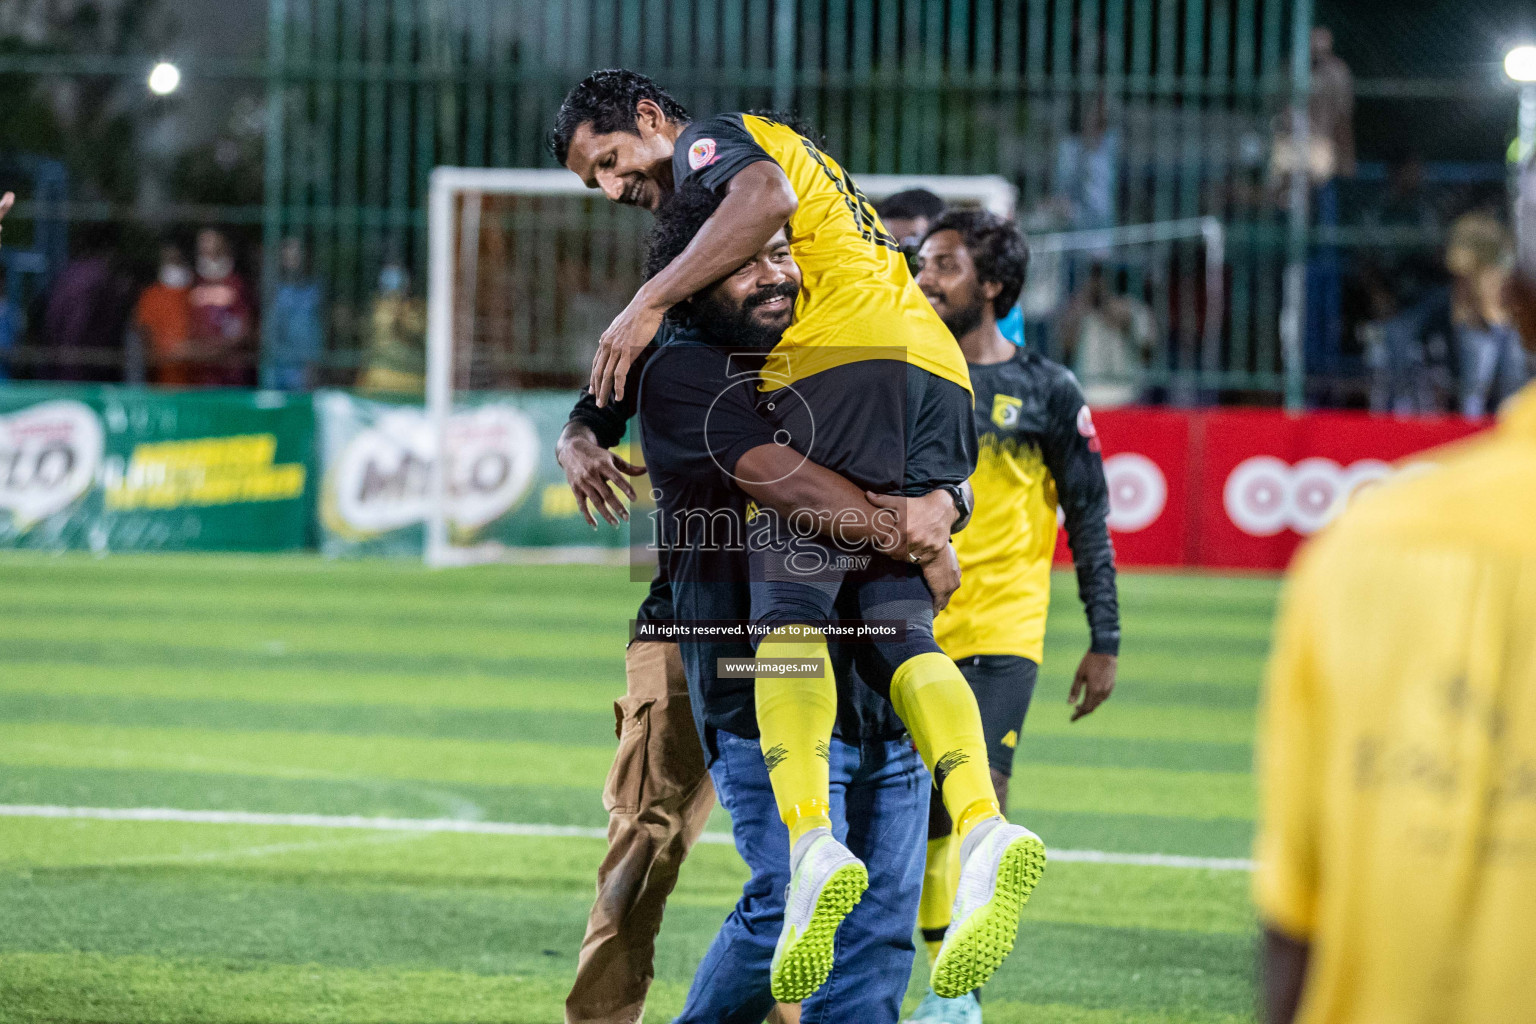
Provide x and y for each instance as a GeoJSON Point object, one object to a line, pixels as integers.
{"type": "Point", "coordinates": [880, 810]}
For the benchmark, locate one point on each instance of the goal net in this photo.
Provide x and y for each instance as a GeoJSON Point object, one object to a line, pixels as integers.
{"type": "Point", "coordinates": [526, 270]}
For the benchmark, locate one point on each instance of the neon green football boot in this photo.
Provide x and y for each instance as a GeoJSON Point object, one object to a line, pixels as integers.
{"type": "Point", "coordinates": [997, 876]}
{"type": "Point", "coordinates": [826, 883]}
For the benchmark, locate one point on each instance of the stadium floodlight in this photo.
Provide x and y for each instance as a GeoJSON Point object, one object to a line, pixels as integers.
{"type": "Point", "coordinates": [164, 78]}
{"type": "Point", "coordinates": [1520, 64]}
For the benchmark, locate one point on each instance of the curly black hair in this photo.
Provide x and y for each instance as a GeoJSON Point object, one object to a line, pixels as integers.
{"type": "Point", "coordinates": [997, 247]}
{"type": "Point", "coordinates": [606, 100]}
{"type": "Point", "coordinates": [678, 219]}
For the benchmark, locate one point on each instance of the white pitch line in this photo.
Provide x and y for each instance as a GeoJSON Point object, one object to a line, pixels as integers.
{"type": "Point", "coordinates": [508, 828]}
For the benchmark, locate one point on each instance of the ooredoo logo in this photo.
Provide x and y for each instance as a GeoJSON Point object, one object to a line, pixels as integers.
{"type": "Point", "coordinates": [1138, 491]}
{"type": "Point", "coordinates": [1265, 495]}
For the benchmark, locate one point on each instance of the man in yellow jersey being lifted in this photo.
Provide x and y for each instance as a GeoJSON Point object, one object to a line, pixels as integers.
{"type": "Point", "coordinates": [867, 382]}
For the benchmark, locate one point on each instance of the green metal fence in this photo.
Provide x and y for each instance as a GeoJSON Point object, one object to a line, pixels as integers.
{"type": "Point", "coordinates": [366, 96]}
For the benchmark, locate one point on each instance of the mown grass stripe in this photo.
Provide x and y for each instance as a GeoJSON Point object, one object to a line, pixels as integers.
{"type": "Point", "coordinates": [580, 728]}
{"type": "Point", "coordinates": [556, 805]}
{"type": "Point", "coordinates": [554, 662]}
{"type": "Point", "coordinates": [505, 828]}
{"type": "Point", "coordinates": [1050, 787]}
{"type": "Point", "coordinates": [368, 677]}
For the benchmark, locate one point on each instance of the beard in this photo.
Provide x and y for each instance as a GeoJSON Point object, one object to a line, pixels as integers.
{"type": "Point", "coordinates": [736, 326]}
{"type": "Point", "coordinates": [962, 320]}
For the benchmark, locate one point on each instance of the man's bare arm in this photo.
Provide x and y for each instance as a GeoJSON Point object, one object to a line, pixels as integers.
{"type": "Point", "coordinates": [792, 484]}
{"type": "Point", "coordinates": [758, 202]}
{"type": "Point", "coordinates": [782, 479]}
{"type": "Point", "coordinates": [590, 469]}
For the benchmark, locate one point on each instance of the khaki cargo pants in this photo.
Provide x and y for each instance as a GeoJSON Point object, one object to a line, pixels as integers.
{"type": "Point", "coordinates": [658, 797]}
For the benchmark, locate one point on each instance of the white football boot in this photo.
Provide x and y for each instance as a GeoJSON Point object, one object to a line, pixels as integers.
{"type": "Point", "coordinates": [997, 876]}
{"type": "Point", "coordinates": [826, 883]}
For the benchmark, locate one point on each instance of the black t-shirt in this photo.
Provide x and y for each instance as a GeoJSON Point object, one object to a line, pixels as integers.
{"type": "Point", "coordinates": [696, 419]}
{"type": "Point", "coordinates": [698, 415]}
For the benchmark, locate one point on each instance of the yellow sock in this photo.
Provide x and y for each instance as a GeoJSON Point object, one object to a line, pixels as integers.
{"type": "Point", "coordinates": [795, 719]}
{"type": "Point", "coordinates": [939, 710]}
{"type": "Point", "coordinates": [941, 876]}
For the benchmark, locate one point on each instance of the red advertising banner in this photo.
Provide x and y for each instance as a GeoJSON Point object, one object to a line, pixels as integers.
{"type": "Point", "coordinates": [1241, 488]}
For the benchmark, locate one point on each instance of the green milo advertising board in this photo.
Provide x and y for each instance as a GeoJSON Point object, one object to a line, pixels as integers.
{"type": "Point", "coordinates": [505, 494]}
{"type": "Point", "coordinates": [132, 469]}
{"type": "Point", "coordinates": [128, 469]}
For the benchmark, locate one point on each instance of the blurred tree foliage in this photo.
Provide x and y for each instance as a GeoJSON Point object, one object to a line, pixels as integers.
{"type": "Point", "coordinates": [88, 121]}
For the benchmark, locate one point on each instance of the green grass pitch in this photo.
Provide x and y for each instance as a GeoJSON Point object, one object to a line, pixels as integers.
{"type": "Point", "coordinates": [293, 685]}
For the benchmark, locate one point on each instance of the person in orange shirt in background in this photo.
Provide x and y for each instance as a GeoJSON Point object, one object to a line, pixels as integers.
{"type": "Point", "coordinates": [163, 318]}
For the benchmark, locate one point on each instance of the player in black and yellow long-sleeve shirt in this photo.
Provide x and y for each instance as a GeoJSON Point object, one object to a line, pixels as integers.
{"type": "Point", "coordinates": [867, 382]}
{"type": "Point", "coordinates": [1038, 452]}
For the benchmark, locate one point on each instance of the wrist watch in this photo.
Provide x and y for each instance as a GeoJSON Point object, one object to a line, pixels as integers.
{"type": "Point", "coordinates": [962, 498]}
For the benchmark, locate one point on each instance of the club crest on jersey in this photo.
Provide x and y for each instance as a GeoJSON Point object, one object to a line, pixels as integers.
{"type": "Point", "coordinates": [1085, 423]}
{"type": "Point", "coordinates": [701, 154]}
{"type": "Point", "coordinates": [1005, 410]}
{"type": "Point", "coordinates": [1086, 428]}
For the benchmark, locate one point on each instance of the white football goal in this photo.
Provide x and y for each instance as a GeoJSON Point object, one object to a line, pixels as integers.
{"type": "Point", "coordinates": [527, 267]}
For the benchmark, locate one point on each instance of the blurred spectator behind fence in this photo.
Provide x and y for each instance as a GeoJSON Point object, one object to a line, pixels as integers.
{"type": "Point", "coordinates": [10, 324]}
{"type": "Point", "coordinates": [1087, 173]}
{"type": "Point", "coordinates": [223, 316]}
{"type": "Point", "coordinates": [1455, 348]}
{"type": "Point", "coordinates": [163, 320]}
{"type": "Point", "coordinates": [1491, 363]}
{"type": "Point", "coordinates": [396, 357]}
{"type": "Point", "coordinates": [1401, 285]}
{"type": "Point", "coordinates": [86, 314]}
{"type": "Point", "coordinates": [1328, 156]}
{"type": "Point", "coordinates": [906, 215]}
{"type": "Point", "coordinates": [1331, 117]}
{"type": "Point", "coordinates": [295, 337]}
{"type": "Point", "coordinates": [1331, 107]}
{"type": "Point", "coordinates": [1085, 188]}
{"type": "Point", "coordinates": [1107, 339]}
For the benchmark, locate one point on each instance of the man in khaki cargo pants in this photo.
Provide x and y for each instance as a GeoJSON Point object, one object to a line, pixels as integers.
{"type": "Point", "coordinates": [658, 794]}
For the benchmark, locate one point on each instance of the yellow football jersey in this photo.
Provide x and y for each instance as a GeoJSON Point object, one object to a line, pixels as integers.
{"type": "Point", "coordinates": [858, 299]}
{"type": "Point", "coordinates": [1398, 745]}
{"type": "Point", "coordinates": [1038, 451]}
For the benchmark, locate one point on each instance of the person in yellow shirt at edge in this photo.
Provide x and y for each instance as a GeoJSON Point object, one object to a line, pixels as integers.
{"type": "Point", "coordinates": [1396, 854]}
